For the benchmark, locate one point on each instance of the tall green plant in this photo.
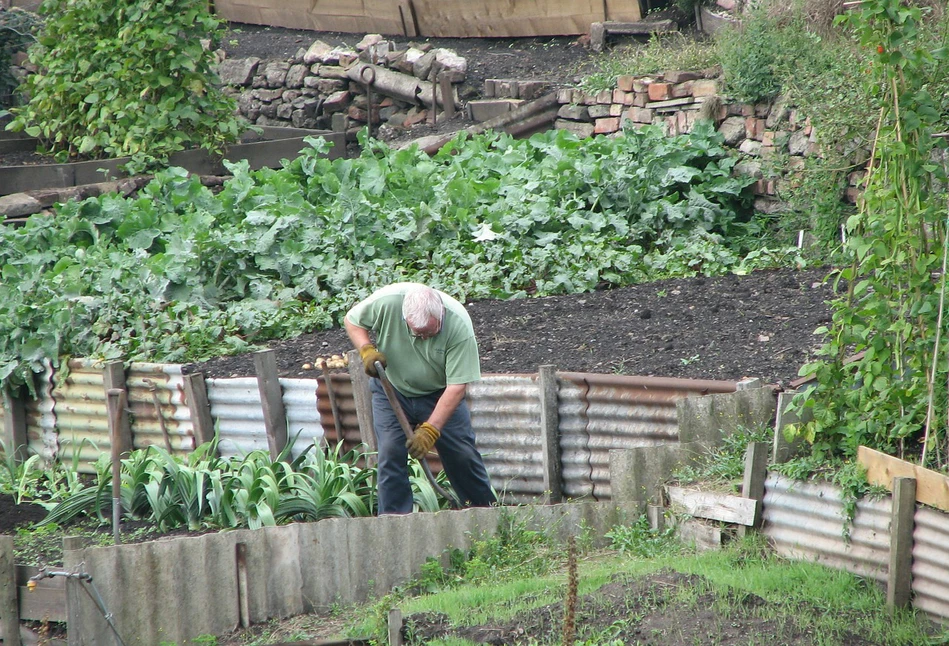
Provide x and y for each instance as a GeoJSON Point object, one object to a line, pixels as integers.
{"type": "Point", "coordinates": [126, 78]}
{"type": "Point", "coordinates": [893, 395]}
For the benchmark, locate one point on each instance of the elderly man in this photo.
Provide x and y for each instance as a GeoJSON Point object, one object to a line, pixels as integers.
{"type": "Point", "coordinates": [425, 340]}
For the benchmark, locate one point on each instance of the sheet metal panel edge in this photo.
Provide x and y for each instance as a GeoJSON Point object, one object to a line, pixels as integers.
{"type": "Point", "coordinates": [599, 413]}
{"type": "Point", "coordinates": [931, 562]}
{"type": "Point", "coordinates": [806, 521]}
{"type": "Point", "coordinates": [239, 418]}
{"type": "Point", "coordinates": [506, 418]}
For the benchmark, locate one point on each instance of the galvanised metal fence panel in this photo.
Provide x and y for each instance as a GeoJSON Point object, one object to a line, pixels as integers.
{"type": "Point", "coordinates": [506, 417]}
{"type": "Point", "coordinates": [931, 562]}
{"type": "Point", "coordinates": [599, 413]}
{"type": "Point", "coordinates": [157, 407]}
{"type": "Point", "coordinates": [806, 521]}
{"type": "Point", "coordinates": [303, 418]}
{"type": "Point", "coordinates": [239, 418]}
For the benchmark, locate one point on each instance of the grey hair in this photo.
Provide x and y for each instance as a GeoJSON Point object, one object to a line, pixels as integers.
{"type": "Point", "coordinates": [421, 304]}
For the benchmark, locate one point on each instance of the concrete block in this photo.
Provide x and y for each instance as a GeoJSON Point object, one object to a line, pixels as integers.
{"type": "Point", "coordinates": [704, 421]}
{"type": "Point", "coordinates": [579, 128]}
{"type": "Point", "coordinates": [636, 474]}
{"type": "Point", "coordinates": [485, 109]}
{"type": "Point", "coordinates": [574, 112]}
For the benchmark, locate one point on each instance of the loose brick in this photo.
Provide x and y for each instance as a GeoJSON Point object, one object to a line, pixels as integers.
{"type": "Point", "coordinates": [660, 91]}
{"type": "Point", "coordinates": [598, 111]}
{"type": "Point", "coordinates": [625, 83]}
{"type": "Point", "coordinates": [606, 126]}
{"type": "Point", "coordinates": [616, 109]}
{"type": "Point", "coordinates": [640, 99]}
{"type": "Point", "coordinates": [639, 115]}
{"type": "Point", "coordinates": [581, 130]}
{"type": "Point", "coordinates": [565, 95]}
{"type": "Point", "coordinates": [704, 87]}
{"type": "Point", "coordinates": [605, 97]}
{"type": "Point", "coordinates": [680, 77]}
{"type": "Point", "coordinates": [573, 112]}
{"type": "Point", "coordinates": [682, 90]}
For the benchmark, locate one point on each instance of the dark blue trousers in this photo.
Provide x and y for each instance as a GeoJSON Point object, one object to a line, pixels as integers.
{"type": "Point", "coordinates": [456, 448]}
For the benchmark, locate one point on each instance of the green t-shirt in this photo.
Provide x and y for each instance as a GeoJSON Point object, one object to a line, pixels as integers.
{"type": "Point", "coordinates": [418, 367]}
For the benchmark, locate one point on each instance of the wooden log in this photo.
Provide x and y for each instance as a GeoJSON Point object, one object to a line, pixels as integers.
{"type": "Point", "coordinates": [9, 608]}
{"type": "Point", "coordinates": [715, 506]}
{"type": "Point", "coordinates": [271, 400]}
{"type": "Point", "coordinates": [397, 85]}
{"type": "Point", "coordinates": [900, 576]}
{"type": "Point", "coordinates": [196, 392]}
{"type": "Point", "coordinates": [932, 488]}
{"type": "Point", "coordinates": [550, 434]}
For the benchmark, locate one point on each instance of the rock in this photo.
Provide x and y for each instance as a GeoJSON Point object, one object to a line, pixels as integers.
{"type": "Point", "coordinates": [238, 71]}
{"type": "Point", "coordinates": [368, 41]}
{"type": "Point", "coordinates": [18, 205]}
{"type": "Point", "coordinates": [448, 62]}
{"type": "Point", "coordinates": [317, 52]}
{"type": "Point", "coordinates": [423, 66]}
{"type": "Point", "coordinates": [733, 130]}
{"type": "Point", "coordinates": [296, 75]}
{"type": "Point", "coordinates": [275, 73]}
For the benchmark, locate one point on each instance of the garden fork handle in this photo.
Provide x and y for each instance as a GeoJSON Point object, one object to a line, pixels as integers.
{"type": "Point", "coordinates": [409, 433]}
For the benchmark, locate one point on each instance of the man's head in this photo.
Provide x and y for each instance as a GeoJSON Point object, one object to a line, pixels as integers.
{"type": "Point", "coordinates": [423, 311]}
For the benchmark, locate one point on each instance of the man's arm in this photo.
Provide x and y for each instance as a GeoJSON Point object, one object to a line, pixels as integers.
{"type": "Point", "coordinates": [447, 404]}
{"type": "Point", "coordinates": [359, 336]}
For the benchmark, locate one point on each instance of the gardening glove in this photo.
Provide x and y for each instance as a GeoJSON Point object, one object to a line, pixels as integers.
{"type": "Point", "coordinates": [423, 440]}
{"type": "Point", "coordinates": [369, 355]}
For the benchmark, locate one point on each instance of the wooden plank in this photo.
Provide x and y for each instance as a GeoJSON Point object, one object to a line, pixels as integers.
{"type": "Point", "coordinates": [756, 472]}
{"type": "Point", "coordinates": [113, 378]}
{"type": "Point", "coordinates": [271, 400]}
{"type": "Point", "coordinates": [704, 537]}
{"type": "Point", "coordinates": [9, 610]}
{"type": "Point", "coordinates": [43, 603]}
{"type": "Point", "coordinates": [14, 425]}
{"type": "Point", "coordinates": [900, 576]}
{"type": "Point", "coordinates": [550, 432]}
{"type": "Point", "coordinates": [493, 19]}
{"type": "Point", "coordinates": [715, 506]}
{"type": "Point", "coordinates": [196, 393]}
{"type": "Point", "coordinates": [362, 399]}
{"type": "Point", "coordinates": [932, 488]}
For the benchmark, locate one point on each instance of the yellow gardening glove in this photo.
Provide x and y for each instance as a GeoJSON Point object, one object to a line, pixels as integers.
{"type": "Point", "coordinates": [369, 355]}
{"type": "Point", "coordinates": [422, 442]}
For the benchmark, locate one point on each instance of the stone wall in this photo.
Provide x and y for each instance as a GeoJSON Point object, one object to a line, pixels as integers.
{"type": "Point", "coordinates": [775, 139]}
{"type": "Point", "coordinates": [339, 88]}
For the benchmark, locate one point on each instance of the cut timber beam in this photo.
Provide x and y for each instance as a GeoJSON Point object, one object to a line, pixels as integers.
{"type": "Point", "coordinates": [714, 506]}
{"type": "Point", "coordinates": [932, 488]}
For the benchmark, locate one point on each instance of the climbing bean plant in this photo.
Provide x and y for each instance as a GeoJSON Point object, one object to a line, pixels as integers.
{"type": "Point", "coordinates": [881, 379]}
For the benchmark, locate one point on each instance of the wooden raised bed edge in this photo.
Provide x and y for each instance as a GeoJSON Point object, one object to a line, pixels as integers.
{"type": "Point", "coordinates": [260, 151]}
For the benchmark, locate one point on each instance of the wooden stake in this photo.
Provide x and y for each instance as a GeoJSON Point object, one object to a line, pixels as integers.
{"type": "Point", "coordinates": [900, 580]}
{"type": "Point", "coordinates": [271, 400]}
{"type": "Point", "coordinates": [9, 607]}
{"type": "Point", "coordinates": [550, 433]}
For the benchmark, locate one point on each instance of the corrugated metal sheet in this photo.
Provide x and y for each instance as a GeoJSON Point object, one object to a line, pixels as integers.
{"type": "Point", "coordinates": [69, 420]}
{"type": "Point", "coordinates": [806, 521]}
{"type": "Point", "coordinates": [158, 409]}
{"type": "Point", "coordinates": [931, 562]}
{"type": "Point", "coordinates": [603, 412]}
{"type": "Point", "coordinates": [342, 387]}
{"type": "Point", "coordinates": [239, 418]}
{"type": "Point", "coordinates": [505, 415]}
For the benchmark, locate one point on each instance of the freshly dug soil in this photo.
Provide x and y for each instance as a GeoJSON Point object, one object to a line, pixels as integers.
{"type": "Point", "coordinates": [728, 327]}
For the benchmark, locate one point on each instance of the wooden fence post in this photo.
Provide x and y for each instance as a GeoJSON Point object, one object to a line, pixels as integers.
{"type": "Point", "coordinates": [74, 593]}
{"type": "Point", "coordinates": [362, 398]}
{"type": "Point", "coordinates": [14, 425]}
{"type": "Point", "coordinates": [899, 581]}
{"type": "Point", "coordinates": [113, 378]}
{"type": "Point", "coordinates": [196, 392]}
{"type": "Point", "coordinates": [9, 607]}
{"type": "Point", "coordinates": [271, 400]}
{"type": "Point", "coordinates": [395, 627]}
{"type": "Point", "coordinates": [550, 433]}
{"type": "Point", "coordinates": [752, 486]}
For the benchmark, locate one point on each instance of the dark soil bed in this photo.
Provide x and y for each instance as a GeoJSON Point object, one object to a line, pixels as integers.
{"type": "Point", "coordinates": [729, 327]}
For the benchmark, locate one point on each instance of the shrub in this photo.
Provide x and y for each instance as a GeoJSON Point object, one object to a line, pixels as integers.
{"type": "Point", "coordinates": [126, 78]}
